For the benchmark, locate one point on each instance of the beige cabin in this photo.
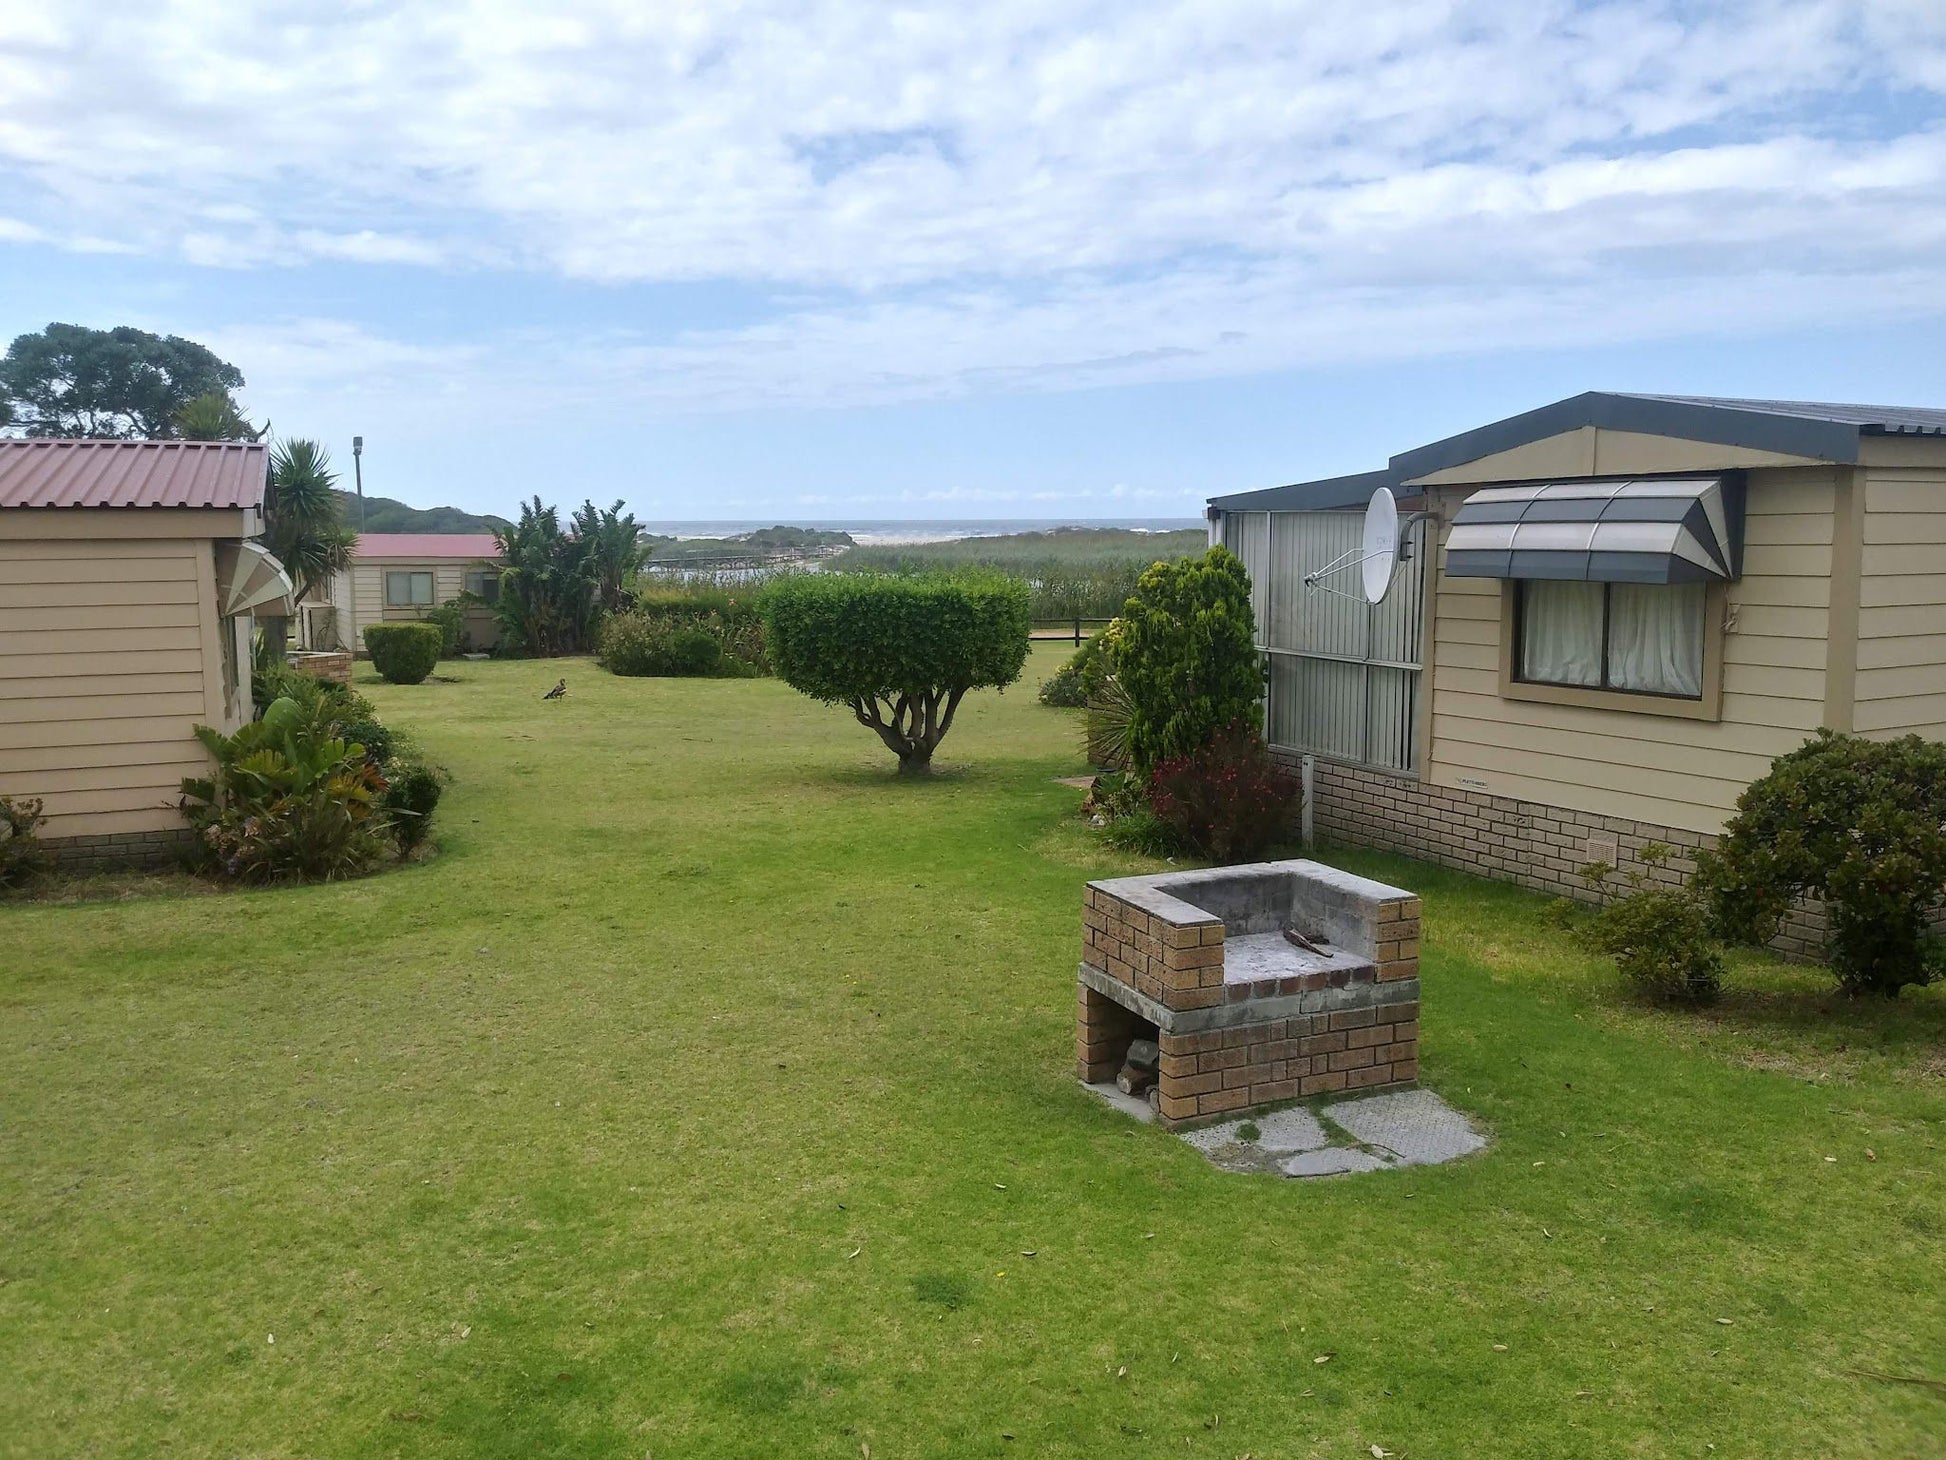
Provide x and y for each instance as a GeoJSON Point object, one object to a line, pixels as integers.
{"type": "Point", "coordinates": [1611, 614]}
{"type": "Point", "coordinates": [396, 577]}
{"type": "Point", "coordinates": [129, 581]}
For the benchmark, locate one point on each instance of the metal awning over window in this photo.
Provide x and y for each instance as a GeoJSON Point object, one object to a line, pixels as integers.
{"type": "Point", "coordinates": [250, 581]}
{"type": "Point", "coordinates": [1640, 530]}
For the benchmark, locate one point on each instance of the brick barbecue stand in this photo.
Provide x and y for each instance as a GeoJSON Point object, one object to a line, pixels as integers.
{"type": "Point", "coordinates": [1243, 1018]}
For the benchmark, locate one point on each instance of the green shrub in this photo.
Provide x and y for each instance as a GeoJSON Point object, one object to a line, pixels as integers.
{"type": "Point", "coordinates": [1070, 686]}
{"type": "Point", "coordinates": [21, 855]}
{"type": "Point", "coordinates": [901, 653]}
{"type": "Point", "coordinates": [635, 644]}
{"type": "Point", "coordinates": [377, 740]}
{"type": "Point", "coordinates": [289, 799]}
{"type": "Point", "coordinates": [1184, 653]}
{"type": "Point", "coordinates": [1858, 823]}
{"type": "Point", "coordinates": [1660, 937]}
{"type": "Point", "coordinates": [1227, 800]}
{"type": "Point", "coordinates": [340, 703]}
{"type": "Point", "coordinates": [450, 618]}
{"type": "Point", "coordinates": [411, 795]}
{"type": "Point", "coordinates": [404, 653]}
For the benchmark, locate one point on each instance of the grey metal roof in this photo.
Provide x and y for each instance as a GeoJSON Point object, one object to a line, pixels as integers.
{"type": "Point", "coordinates": [1822, 430]}
{"type": "Point", "coordinates": [1872, 420]}
{"type": "Point", "coordinates": [1319, 496]}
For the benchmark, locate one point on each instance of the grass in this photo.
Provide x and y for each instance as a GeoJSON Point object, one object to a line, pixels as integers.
{"type": "Point", "coordinates": [703, 1096]}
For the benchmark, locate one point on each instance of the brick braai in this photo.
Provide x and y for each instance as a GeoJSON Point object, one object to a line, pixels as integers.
{"type": "Point", "coordinates": [1243, 1016]}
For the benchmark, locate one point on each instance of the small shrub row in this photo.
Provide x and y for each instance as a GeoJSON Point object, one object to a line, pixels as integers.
{"type": "Point", "coordinates": [668, 647]}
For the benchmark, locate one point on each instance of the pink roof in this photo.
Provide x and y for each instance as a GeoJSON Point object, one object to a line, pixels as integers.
{"type": "Point", "coordinates": [132, 473]}
{"type": "Point", "coordinates": [467, 545]}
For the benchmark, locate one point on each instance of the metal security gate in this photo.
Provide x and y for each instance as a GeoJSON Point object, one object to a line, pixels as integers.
{"type": "Point", "coordinates": [1344, 674]}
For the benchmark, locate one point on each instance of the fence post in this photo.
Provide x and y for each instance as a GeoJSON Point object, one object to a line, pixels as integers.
{"type": "Point", "coordinates": [1077, 631]}
{"type": "Point", "coordinates": [1305, 830]}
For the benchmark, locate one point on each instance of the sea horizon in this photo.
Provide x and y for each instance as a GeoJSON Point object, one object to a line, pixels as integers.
{"type": "Point", "coordinates": [884, 531]}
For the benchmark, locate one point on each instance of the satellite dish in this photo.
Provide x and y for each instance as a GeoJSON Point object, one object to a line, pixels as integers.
{"type": "Point", "coordinates": [1381, 546]}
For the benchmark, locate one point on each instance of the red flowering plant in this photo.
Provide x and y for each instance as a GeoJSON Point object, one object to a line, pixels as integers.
{"type": "Point", "coordinates": [1227, 800]}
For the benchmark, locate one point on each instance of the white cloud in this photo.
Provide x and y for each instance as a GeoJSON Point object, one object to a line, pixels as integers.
{"type": "Point", "coordinates": [1016, 195]}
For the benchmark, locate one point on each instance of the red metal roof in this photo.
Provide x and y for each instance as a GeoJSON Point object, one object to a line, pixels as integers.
{"type": "Point", "coordinates": [424, 545]}
{"type": "Point", "coordinates": [132, 473]}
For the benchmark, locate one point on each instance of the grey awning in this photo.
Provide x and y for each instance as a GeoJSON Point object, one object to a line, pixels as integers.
{"type": "Point", "coordinates": [1641, 530]}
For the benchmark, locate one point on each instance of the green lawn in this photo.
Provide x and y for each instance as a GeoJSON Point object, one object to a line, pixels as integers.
{"type": "Point", "coordinates": [706, 1094]}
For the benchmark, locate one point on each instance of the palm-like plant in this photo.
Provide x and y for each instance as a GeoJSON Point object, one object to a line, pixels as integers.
{"type": "Point", "coordinates": [548, 590]}
{"type": "Point", "coordinates": [612, 542]}
{"type": "Point", "coordinates": [215, 416]}
{"type": "Point", "coordinates": [304, 525]}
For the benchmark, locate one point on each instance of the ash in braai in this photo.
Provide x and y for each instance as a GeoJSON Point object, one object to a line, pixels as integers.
{"type": "Point", "coordinates": [1230, 989]}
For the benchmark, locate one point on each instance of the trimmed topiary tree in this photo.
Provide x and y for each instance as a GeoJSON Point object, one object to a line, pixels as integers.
{"type": "Point", "coordinates": [404, 653]}
{"type": "Point", "coordinates": [1858, 823]}
{"type": "Point", "coordinates": [900, 652]}
{"type": "Point", "coordinates": [1185, 655]}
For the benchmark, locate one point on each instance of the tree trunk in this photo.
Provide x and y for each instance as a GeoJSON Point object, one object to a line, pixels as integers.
{"type": "Point", "coordinates": [277, 637]}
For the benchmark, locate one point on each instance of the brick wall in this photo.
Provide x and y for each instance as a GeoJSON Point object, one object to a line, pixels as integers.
{"type": "Point", "coordinates": [1536, 846]}
{"type": "Point", "coordinates": [334, 665]}
{"type": "Point", "coordinates": [112, 850]}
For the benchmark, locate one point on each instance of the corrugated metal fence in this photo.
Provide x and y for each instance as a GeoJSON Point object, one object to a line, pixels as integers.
{"type": "Point", "coordinates": [1344, 674]}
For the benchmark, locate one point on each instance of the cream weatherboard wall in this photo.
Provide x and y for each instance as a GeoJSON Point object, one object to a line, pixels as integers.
{"type": "Point", "coordinates": [1900, 682]}
{"type": "Point", "coordinates": [110, 654]}
{"type": "Point", "coordinates": [1675, 772]}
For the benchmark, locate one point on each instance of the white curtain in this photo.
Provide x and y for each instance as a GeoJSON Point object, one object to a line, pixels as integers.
{"type": "Point", "coordinates": [1655, 638]}
{"type": "Point", "coordinates": [1560, 632]}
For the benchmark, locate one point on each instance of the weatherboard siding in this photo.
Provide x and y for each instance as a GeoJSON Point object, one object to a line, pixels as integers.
{"type": "Point", "coordinates": [1900, 686]}
{"type": "Point", "coordinates": [107, 664]}
{"type": "Point", "coordinates": [1680, 773]}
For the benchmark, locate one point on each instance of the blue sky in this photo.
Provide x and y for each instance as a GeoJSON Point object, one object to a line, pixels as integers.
{"type": "Point", "coordinates": [1060, 258]}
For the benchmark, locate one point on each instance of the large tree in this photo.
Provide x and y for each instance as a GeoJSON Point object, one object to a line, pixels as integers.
{"type": "Point", "coordinates": [69, 380]}
{"type": "Point", "coordinates": [899, 653]}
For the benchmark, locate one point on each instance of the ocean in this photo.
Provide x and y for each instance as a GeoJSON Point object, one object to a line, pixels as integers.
{"type": "Point", "coordinates": [873, 531]}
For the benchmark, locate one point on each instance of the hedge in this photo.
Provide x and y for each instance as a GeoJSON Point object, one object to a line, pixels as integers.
{"type": "Point", "coordinates": [404, 653]}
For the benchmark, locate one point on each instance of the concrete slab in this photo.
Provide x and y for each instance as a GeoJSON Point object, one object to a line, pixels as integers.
{"type": "Point", "coordinates": [1134, 1106]}
{"type": "Point", "coordinates": [1332, 1161]}
{"type": "Point", "coordinates": [1414, 1127]}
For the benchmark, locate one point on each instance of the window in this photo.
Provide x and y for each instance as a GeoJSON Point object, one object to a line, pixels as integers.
{"type": "Point", "coordinates": [1640, 638]}
{"type": "Point", "coordinates": [408, 590]}
{"type": "Point", "coordinates": [484, 585]}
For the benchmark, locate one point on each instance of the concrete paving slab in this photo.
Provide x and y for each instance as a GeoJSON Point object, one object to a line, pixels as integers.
{"type": "Point", "coordinates": [1414, 1126]}
{"type": "Point", "coordinates": [1332, 1161]}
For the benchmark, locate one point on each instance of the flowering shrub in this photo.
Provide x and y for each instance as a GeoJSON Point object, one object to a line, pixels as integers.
{"type": "Point", "coordinates": [1227, 800]}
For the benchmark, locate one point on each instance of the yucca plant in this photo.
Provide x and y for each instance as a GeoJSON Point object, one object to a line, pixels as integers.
{"type": "Point", "coordinates": [1105, 725]}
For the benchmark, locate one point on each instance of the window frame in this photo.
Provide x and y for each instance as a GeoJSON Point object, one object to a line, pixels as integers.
{"type": "Point", "coordinates": [432, 587]}
{"type": "Point", "coordinates": [1706, 706]}
{"type": "Point", "coordinates": [481, 575]}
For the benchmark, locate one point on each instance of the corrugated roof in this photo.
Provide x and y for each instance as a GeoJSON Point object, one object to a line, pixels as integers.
{"type": "Point", "coordinates": [132, 473]}
{"type": "Point", "coordinates": [428, 545]}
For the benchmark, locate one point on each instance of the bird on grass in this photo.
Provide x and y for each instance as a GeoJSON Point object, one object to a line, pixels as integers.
{"type": "Point", "coordinates": [559, 692]}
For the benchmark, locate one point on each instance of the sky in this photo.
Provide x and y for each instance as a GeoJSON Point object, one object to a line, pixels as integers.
{"type": "Point", "coordinates": [1026, 258]}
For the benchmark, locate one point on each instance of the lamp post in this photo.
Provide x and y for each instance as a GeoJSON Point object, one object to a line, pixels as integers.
{"type": "Point", "coordinates": [351, 573]}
